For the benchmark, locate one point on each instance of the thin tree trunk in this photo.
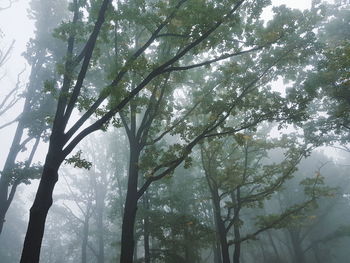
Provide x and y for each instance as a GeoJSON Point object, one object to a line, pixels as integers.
{"type": "Point", "coordinates": [296, 242]}
{"type": "Point", "coordinates": [101, 253]}
{"type": "Point", "coordinates": [237, 251]}
{"type": "Point", "coordinates": [16, 147]}
{"type": "Point", "coordinates": [216, 251]}
{"type": "Point", "coordinates": [100, 193]}
{"type": "Point", "coordinates": [221, 229]}
{"type": "Point", "coordinates": [316, 250]}
{"type": "Point", "coordinates": [274, 246]}
{"type": "Point", "coordinates": [146, 235]}
{"type": "Point", "coordinates": [236, 210]}
{"type": "Point", "coordinates": [263, 252]}
{"type": "Point", "coordinates": [5, 178]}
{"type": "Point", "coordinates": [85, 238]}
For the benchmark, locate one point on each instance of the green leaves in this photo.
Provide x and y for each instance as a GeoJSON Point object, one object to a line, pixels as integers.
{"type": "Point", "coordinates": [77, 161]}
{"type": "Point", "coordinates": [21, 173]}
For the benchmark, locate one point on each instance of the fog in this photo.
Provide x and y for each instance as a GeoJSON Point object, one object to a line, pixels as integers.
{"type": "Point", "coordinates": [174, 131]}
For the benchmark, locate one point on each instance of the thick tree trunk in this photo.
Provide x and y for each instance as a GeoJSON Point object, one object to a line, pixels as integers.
{"type": "Point", "coordinates": [38, 214]}
{"type": "Point", "coordinates": [127, 246]}
{"type": "Point", "coordinates": [127, 242]}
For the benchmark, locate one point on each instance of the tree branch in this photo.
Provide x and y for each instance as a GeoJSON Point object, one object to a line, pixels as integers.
{"type": "Point", "coordinates": [208, 62]}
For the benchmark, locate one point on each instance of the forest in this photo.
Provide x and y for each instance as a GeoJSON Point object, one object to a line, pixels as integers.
{"type": "Point", "coordinates": [175, 131]}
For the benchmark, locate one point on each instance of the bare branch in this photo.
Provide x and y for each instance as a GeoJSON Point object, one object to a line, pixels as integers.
{"type": "Point", "coordinates": [4, 57]}
{"type": "Point", "coordinates": [74, 197]}
{"type": "Point", "coordinates": [12, 97]}
{"type": "Point", "coordinates": [11, 122]}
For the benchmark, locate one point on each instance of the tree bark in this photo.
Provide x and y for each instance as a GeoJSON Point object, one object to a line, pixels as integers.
{"type": "Point", "coordinates": [128, 243]}
{"type": "Point", "coordinates": [38, 213]}
{"type": "Point", "coordinates": [237, 251]}
{"type": "Point", "coordinates": [146, 234]}
{"type": "Point", "coordinates": [221, 229]}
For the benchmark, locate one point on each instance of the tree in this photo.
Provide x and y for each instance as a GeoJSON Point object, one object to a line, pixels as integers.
{"type": "Point", "coordinates": [327, 81]}
{"type": "Point", "coordinates": [178, 225]}
{"type": "Point", "coordinates": [239, 176]}
{"type": "Point", "coordinates": [195, 29]}
{"type": "Point", "coordinates": [307, 234]}
{"type": "Point", "coordinates": [32, 122]}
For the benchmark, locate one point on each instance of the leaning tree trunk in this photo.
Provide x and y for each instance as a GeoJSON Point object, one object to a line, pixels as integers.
{"type": "Point", "coordinates": [5, 179]}
{"type": "Point", "coordinates": [40, 208]}
{"type": "Point", "coordinates": [17, 145]}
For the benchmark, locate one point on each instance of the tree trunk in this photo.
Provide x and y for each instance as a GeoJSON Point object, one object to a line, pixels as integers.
{"type": "Point", "coordinates": [263, 252]}
{"type": "Point", "coordinates": [216, 242]}
{"type": "Point", "coordinates": [100, 207]}
{"type": "Point", "coordinates": [236, 230]}
{"type": "Point", "coordinates": [127, 246]}
{"type": "Point", "coordinates": [85, 239]}
{"type": "Point", "coordinates": [221, 229]}
{"type": "Point", "coordinates": [216, 251]}
{"type": "Point", "coordinates": [38, 214]}
{"type": "Point", "coordinates": [15, 148]}
{"type": "Point", "coordinates": [146, 229]}
{"type": "Point", "coordinates": [5, 179]}
{"type": "Point", "coordinates": [296, 243]}
{"type": "Point", "coordinates": [274, 246]}
{"type": "Point", "coordinates": [237, 251]}
{"type": "Point", "coordinates": [316, 250]}
{"type": "Point", "coordinates": [127, 242]}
